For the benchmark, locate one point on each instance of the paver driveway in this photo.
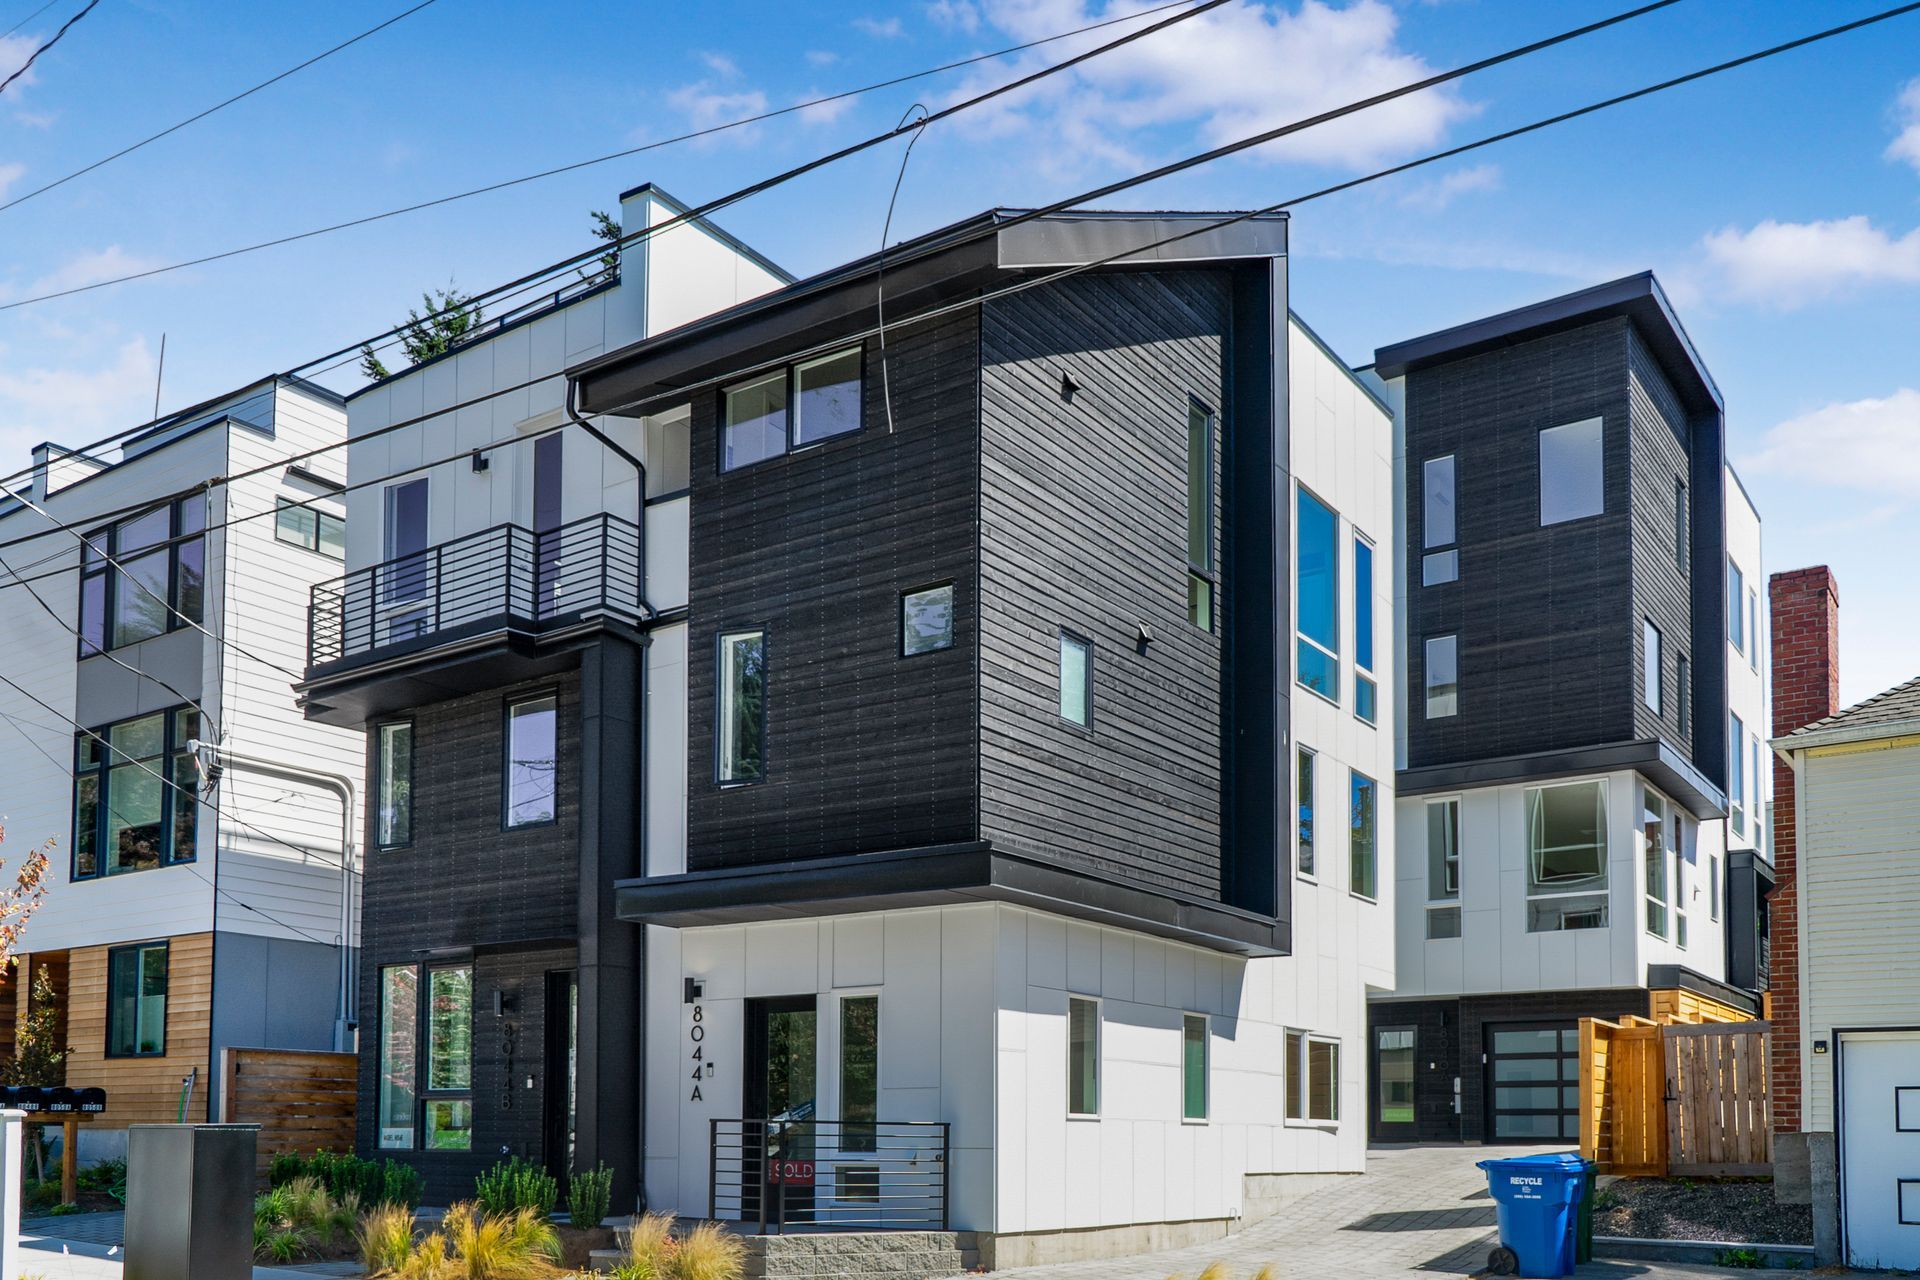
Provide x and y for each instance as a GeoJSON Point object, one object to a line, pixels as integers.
{"type": "Point", "coordinates": [1418, 1210]}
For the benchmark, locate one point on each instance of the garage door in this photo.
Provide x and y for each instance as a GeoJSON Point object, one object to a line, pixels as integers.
{"type": "Point", "coordinates": [1880, 1148]}
{"type": "Point", "coordinates": [1533, 1082]}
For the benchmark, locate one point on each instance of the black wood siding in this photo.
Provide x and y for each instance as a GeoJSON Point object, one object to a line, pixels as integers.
{"type": "Point", "coordinates": [866, 750]}
{"type": "Point", "coordinates": [1083, 527]}
{"type": "Point", "coordinates": [1662, 591]}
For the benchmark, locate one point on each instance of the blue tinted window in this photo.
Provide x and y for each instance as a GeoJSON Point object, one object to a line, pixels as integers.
{"type": "Point", "coordinates": [1317, 595]}
{"type": "Point", "coordinates": [1362, 605]}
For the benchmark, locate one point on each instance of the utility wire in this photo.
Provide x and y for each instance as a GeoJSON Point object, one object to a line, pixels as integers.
{"type": "Point", "coordinates": [29, 18]}
{"type": "Point", "coordinates": [35, 55]}
{"type": "Point", "coordinates": [503, 185]}
{"type": "Point", "coordinates": [219, 106]}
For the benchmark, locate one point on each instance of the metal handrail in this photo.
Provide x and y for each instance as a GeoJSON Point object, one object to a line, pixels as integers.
{"type": "Point", "coordinates": [798, 1171]}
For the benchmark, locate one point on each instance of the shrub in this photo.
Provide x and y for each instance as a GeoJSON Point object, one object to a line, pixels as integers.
{"type": "Point", "coordinates": [346, 1176]}
{"type": "Point", "coordinates": [103, 1176]}
{"type": "Point", "coordinates": [710, 1252]}
{"type": "Point", "coordinates": [298, 1217]}
{"type": "Point", "coordinates": [43, 1195]}
{"type": "Point", "coordinates": [385, 1238]}
{"type": "Point", "coordinates": [589, 1195]}
{"type": "Point", "coordinates": [1740, 1259]}
{"type": "Point", "coordinates": [401, 1184]}
{"type": "Point", "coordinates": [652, 1252]}
{"type": "Point", "coordinates": [471, 1245]}
{"type": "Point", "coordinates": [516, 1184]}
{"type": "Point", "coordinates": [1217, 1270]}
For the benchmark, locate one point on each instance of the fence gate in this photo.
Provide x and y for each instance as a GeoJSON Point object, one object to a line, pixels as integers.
{"type": "Point", "coordinates": [1718, 1120]}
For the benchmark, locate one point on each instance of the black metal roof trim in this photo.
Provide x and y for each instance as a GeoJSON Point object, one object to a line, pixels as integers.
{"type": "Point", "coordinates": [1639, 297]}
{"type": "Point", "coordinates": [1664, 766]}
{"type": "Point", "coordinates": [1679, 977]}
{"type": "Point", "coordinates": [941, 875]}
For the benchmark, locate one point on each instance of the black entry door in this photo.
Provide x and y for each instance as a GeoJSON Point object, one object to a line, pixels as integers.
{"type": "Point", "coordinates": [1394, 1053]}
{"type": "Point", "coordinates": [560, 1071]}
{"type": "Point", "coordinates": [783, 1073]}
{"type": "Point", "coordinates": [1533, 1082]}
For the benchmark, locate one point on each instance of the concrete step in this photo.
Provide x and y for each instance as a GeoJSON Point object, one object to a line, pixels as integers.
{"type": "Point", "coordinates": [853, 1255]}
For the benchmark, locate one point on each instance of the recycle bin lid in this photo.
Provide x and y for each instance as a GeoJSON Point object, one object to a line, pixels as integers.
{"type": "Point", "coordinates": [1563, 1160]}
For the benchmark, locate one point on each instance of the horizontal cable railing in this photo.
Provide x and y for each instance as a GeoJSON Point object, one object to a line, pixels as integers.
{"type": "Point", "coordinates": [506, 573]}
{"type": "Point", "coordinates": [829, 1175]}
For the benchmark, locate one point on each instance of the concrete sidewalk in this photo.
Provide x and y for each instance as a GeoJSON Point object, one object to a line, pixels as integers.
{"type": "Point", "coordinates": [50, 1258]}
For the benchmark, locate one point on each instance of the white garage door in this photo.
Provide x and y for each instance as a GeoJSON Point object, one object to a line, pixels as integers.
{"type": "Point", "coordinates": [1880, 1148]}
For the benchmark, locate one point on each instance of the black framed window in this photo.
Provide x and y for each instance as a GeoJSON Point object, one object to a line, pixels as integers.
{"type": "Point", "coordinates": [1303, 800]}
{"type": "Point", "coordinates": [1363, 852]}
{"type": "Point", "coordinates": [532, 774]}
{"type": "Point", "coordinates": [1193, 1066]}
{"type": "Point", "coordinates": [1441, 563]}
{"type": "Point", "coordinates": [449, 1042]}
{"type": "Point", "coordinates": [1201, 583]}
{"type": "Point", "coordinates": [137, 1001]}
{"type": "Point", "coordinates": [1076, 680]}
{"type": "Point", "coordinates": [740, 740]}
{"type": "Point", "coordinates": [1083, 1056]}
{"type": "Point", "coordinates": [160, 584]}
{"type": "Point", "coordinates": [393, 798]}
{"type": "Point", "coordinates": [791, 407]}
{"type": "Point", "coordinates": [310, 527]}
{"type": "Point", "coordinates": [1682, 524]}
{"type": "Point", "coordinates": [126, 816]}
{"type": "Point", "coordinates": [399, 1092]}
{"type": "Point", "coordinates": [926, 620]}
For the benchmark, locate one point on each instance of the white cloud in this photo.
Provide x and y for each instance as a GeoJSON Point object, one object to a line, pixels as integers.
{"type": "Point", "coordinates": [955, 15]}
{"type": "Point", "coordinates": [825, 112]}
{"type": "Point", "coordinates": [9, 174]}
{"type": "Point", "coordinates": [1906, 144]}
{"type": "Point", "coordinates": [1789, 264]}
{"type": "Point", "coordinates": [822, 57]}
{"type": "Point", "coordinates": [1868, 445]}
{"type": "Point", "coordinates": [880, 28]}
{"type": "Point", "coordinates": [1436, 194]}
{"type": "Point", "coordinates": [88, 268]}
{"type": "Point", "coordinates": [14, 52]}
{"type": "Point", "coordinates": [72, 404]}
{"type": "Point", "coordinates": [705, 106]}
{"type": "Point", "coordinates": [1228, 73]}
{"type": "Point", "coordinates": [720, 64]}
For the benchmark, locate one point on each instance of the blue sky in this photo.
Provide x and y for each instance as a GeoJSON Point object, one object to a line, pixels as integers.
{"type": "Point", "coordinates": [1780, 204]}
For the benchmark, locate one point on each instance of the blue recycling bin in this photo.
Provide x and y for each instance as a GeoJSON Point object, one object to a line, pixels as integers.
{"type": "Point", "coordinates": [1535, 1197]}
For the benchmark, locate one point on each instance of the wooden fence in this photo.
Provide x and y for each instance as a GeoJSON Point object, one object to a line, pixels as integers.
{"type": "Point", "coordinates": [1675, 1099]}
{"type": "Point", "coordinates": [302, 1100]}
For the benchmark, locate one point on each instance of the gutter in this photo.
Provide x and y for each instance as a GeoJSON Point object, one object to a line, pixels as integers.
{"type": "Point", "coordinates": [1842, 735]}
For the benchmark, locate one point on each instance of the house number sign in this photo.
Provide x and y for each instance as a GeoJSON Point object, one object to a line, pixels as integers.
{"type": "Point", "coordinates": [697, 1051]}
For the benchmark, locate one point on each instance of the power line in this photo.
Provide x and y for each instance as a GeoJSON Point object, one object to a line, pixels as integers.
{"type": "Point", "coordinates": [219, 106]}
{"type": "Point", "coordinates": [507, 183]}
{"type": "Point", "coordinates": [35, 55]}
{"type": "Point", "coordinates": [29, 18]}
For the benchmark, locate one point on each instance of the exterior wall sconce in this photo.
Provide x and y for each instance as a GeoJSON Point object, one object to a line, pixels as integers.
{"type": "Point", "coordinates": [694, 989]}
{"type": "Point", "coordinates": [480, 462]}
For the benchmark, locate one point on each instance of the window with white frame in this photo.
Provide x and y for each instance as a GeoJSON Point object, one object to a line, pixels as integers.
{"type": "Point", "coordinates": [1567, 857]}
{"type": "Point", "coordinates": [1443, 850]}
{"type": "Point", "coordinates": [1653, 686]}
{"type": "Point", "coordinates": [1757, 789]}
{"type": "Point", "coordinates": [1736, 775]}
{"type": "Point", "coordinates": [1312, 1074]}
{"type": "Point", "coordinates": [1083, 1056]}
{"type": "Point", "coordinates": [1365, 694]}
{"type": "Point", "coordinates": [1656, 831]}
{"type": "Point", "coordinates": [1303, 842]}
{"type": "Point", "coordinates": [1317, 597]}
{"type": "Point", "coordinates": [1686, 852]}
{"type": "Point", "coordinates": [1363, 840]}
{"type": "Point", "coordinates": [1736, 593]}
{"type": "Point", "coordinates": [1753, 628]}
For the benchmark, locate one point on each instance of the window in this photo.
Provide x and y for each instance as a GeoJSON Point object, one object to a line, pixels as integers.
{"type": "Point", "coordinates": [1076, 680]}
{"type": "Point", "coordinates": [311, 528]}
{"type": "Point", "coordinates": [1443, 850]}
{"type": "Point", "coordinates": [1443, 677]}
{"type": "Point", "coordinates": [404, 578]}
{"type": "Point", "coordinates": [1683, 690]}
{"type": "Point", "coordinates": [449, 1124]}
{"type": "Point", "coordinates": [393, 812]}
{"type": "Point", "coordinates": [1567, 857]}
{"type": "Point", "coordinates": [1442, 923]}
{"type": "Point", "coordinates": [824, 395]}
{"type": "Point", "coordinates": [1304, 800]}
{"type": "Point", "coordinates": [1317, 591]}
{"type": "Point", "coordinates": [161, 581]}
{"type": "Point", "coordinates": [1736, 775]}
{"type": "Point", "coordinates": [859, 1072]}
{"type": "Point", "coordinates": [137, 1001]}
{"type": "Point", "coordinates": [1755, 789]}
{"type": "Point", "coordinates": [1437, 506]}
{"type": "Point", "coordinates": [1713, 886]}
{"type": "Point", "coordinates": [1736, 591]}
{"type": "Point", "coordinates": [1682, 839]}
{"type": "Point", "coordinates": [926, 620]}
{"type": "Point", "coordinates": [669, 456]}
{"type": "Point", "coordinates": [1364, 693]}
{"type": "Point", "coordinates": [1437, 567]}
{"type": "Point", "coordinates": [1657, 836]}
{"type": "Point", "coordinates": [1363, 854]}
{"type": "Point", "coordinates": [1652, 686]}
{"type": "Point", "coordinates": [1312, 1078]}
{"type": "Point", "coordinates": [125, 815]}
{"type": "Point", "coordinates": [1200, 567]}
{"type": "Point", "coordinates": [1753, 628]}
{"type": "Point", "coordinates": [1572, 474]}
{"type": "Point", "coordinates": [741, 742]}
{"type": "Point", "coordinates": [399, 1054]}
{"type": "Point", "coordinates": [533, 762]}
{"type": "Point", "coordinates": [1682, 526]}
{"type": "Point", "coordinates": [1193, 1067]}
{"type": "Point", "coordinates": [1083, 1056]}
{"type": "Point", "coordinates": [1394, 1067]}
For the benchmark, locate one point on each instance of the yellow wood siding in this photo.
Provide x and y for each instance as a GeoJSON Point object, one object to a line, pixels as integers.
{"type": "Point", "coordinates": [143, 1090]}
{"type": "Point", "coordinates": [1672, 1005]}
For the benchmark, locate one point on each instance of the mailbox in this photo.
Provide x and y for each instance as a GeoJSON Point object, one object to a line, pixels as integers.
{"type": "Point", "coordinates": [91, 1101]}
{"type": "Point", "coordinates": [61, 1099]}
{"type": "Point", "coordinates": [28, 1098]}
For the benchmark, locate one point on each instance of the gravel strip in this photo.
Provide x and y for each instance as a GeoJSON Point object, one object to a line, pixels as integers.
{"type": "Point", "coordinates": [1732, 1212]}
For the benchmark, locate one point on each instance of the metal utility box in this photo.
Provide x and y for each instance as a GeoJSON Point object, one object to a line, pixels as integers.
{"type": "Point", "coordinates": [190, 1201]}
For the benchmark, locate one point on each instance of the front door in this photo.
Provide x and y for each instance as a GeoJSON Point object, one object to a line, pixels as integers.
{"type": "Point", "coordinates": [560, 1071]}
{"type": "Point", "coordinates": [783, 1073]}
{"type": "Point", "coordinates": [1880, 1149]}
{"type": "Point", "coordinates": [1533, 1082]}
{"type": "Point", "coordinates": [1394, 1051]}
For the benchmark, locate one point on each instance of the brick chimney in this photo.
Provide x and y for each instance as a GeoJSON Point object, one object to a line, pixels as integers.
{"type": "Point", "coordinates": [1806, 687]}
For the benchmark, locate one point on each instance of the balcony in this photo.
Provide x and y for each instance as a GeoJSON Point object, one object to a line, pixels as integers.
{"type": "Point", "coordinates": [502, 591]}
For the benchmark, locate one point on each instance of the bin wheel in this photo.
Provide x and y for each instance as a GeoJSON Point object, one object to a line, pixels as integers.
{"type": "Point", "coordinates": [1503, 1262]}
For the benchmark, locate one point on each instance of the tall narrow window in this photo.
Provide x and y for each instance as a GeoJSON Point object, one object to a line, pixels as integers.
{"type": "Point", "coordinates": [393, 818]}
{"type": "Point", "coordinates": [1654, 822]}
{"type": "Point", "coordinates": [1200, 568]}
{"type": "Point", "coordinates": [1713, 887]}
{"type": "Point", "coordinates": [742, 738]}
{"type": "Point", "coordinates": [1317, 592]}
{"type": "Point", "coordinates": [1443, 677]}
{"type": "Point", "coordinates": [1083, 1056]}
{"type": "Point", "coordinates": [1365, 694]}
{"type": "Point", "coordinates": [859, 1071]}
{"type": "Point", "coordinates": [1736, 600]}
{"type": "Point", "coordinates": [549, 471]}
{"type": "Point", "coordinates": [1440, 528]}
{"type": "Point", "coordinates": [1757, 789]}
{"type": "Point", "coordinates": [1736, 775]}
{"type": "Point", "coordinates": [1443, 850]}
{"type": "Point", "coordinates": [1682, 848]}
{"type": "Point", "coordinates": [399, 1054]}
{"type": "Point", "coordinates": [1076, 680]}
{"type": "Point", "coordinates": [926, 620]}
{"type": "Point", "coordinates": [1753, 628]}
{"type": "Point", "coordinates": [137, 1001]}
{"type": "Point", "coordinates": [1304, 800]}
{"type": "Point", "coordinates": [1651, 685]}
{"type": "Point", "coordinates": [450, 1058]}
{"type": "Point", "coordinates": [1567, 857]}
{"type": "Point", "coordinates": [1683, 693]}
{"type": "Point", "coordinates": [1682, 524]}
{"type": "Point", "coordinates": [1364, 855]}
{"type": "Point", "coordinates": [1572, 472]}
{"type": "Point", "coordinates": [406, 574]}
{"type": "Point", "coordinates": [533, 762]}
{"type": "Point", "coordinates": [141, 590]}
{"type": "Point", "coordinates": [1193, 1067]}
{"type": "Point", "coordinates": [1312, 1077]}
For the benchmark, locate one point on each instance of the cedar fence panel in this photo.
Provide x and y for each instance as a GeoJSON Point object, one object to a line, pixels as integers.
{"type": "Point", "coordinates": [1718, 1119]}
{"type": "Point", "coordinates": [302, 1100]}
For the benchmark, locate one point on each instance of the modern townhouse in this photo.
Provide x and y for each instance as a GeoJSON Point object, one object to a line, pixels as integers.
{"type": "Point", "coordinates": [200, 898]}
{"type": "Point", "coordinates": [1577, 754]}
{"type": "Point", "coordinates": [979, 775]}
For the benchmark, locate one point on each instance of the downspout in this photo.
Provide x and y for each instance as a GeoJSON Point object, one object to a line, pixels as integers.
{"type": "Point", "coordinates": [342, 786]}
{"type": "Point", "coordinates": [640, 469]}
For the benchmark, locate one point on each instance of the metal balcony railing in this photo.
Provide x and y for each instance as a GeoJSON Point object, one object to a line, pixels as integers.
{"type": "Point", "coordinates": [503, 576]}
{"type": "Point", "coordinates": [829, 1175]}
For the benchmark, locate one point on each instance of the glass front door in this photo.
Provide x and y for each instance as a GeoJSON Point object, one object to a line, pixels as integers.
{"type": "Point", "coordinates": [1393, 1070]}
{"type": "Point", "coordinates": [783, 1073]}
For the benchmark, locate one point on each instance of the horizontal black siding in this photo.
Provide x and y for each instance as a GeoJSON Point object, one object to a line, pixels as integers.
{"type": "Point", "coordinates": [1662, 591]}
{"type": "Point", "coordinates": [1083, 527]}
{"type": "Point", "coordinates": [866, 750]}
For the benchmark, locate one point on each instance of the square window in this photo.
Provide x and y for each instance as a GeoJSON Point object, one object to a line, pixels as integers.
{"type": "Point", "coordinates": [1439, 567]}
{"type": "Point", "coordinates": [1442, 923]}
{"type": "Point", "coordinates": [926, 620]}
{"type": "Point", "coordinates": [827, 397]}
{"type": "Point", "coordinates": [1572, 472]}
{"type": "Point", "coordinates": [1076, 680]}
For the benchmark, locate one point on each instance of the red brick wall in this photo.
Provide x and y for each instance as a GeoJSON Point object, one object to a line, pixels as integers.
{"type": "Point", "coordinates": [1806, 687]}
